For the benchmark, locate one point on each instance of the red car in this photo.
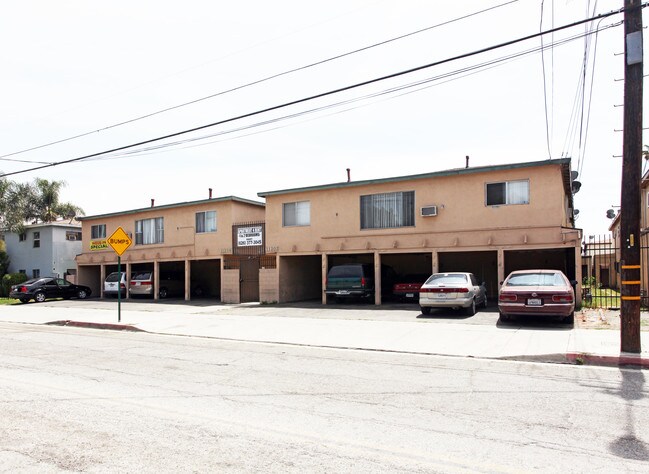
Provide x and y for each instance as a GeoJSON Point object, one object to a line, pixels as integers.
{"type": "Point", "coordinates": [407, 288]}
{"type": "Point", "coordinates": [537, 293]}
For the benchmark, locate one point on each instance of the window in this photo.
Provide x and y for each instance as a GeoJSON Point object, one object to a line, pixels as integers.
{"type": "Point", "coordinates": [22, 237]}
{"type": "Point", "coordinates": [72, 235]}
{"type": "Point", "coordinates": [296, 213]}
{"type": "Point", "coordinates": [388, 210]}
{"type": "Point", "coordinates": [23, 271]}
{"type": "Point", "coordinates": [98, 231]}
{"type": "Point", "coordinates": [508, 192]}
{"type": "Point", "coordinates": [149, 231]}
{"type": "Point", "coordinates": [36, 273]}
{"type": "Point", "coordinates": [205, 222]}
{"type": "Point", "coordinates": [37, 239]}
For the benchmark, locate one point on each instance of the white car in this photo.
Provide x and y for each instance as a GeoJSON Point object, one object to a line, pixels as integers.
{"type": "Point", "coordinates": [454, 290]}
{"type": "Point", "coordinates": [112, 284]}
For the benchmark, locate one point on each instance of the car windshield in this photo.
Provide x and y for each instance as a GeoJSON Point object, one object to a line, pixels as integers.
{"type": "Point", "coordinates": [346, 271]}
{"type": "Point", "coordinates": [142, 276]}
{"type": "Point", "coordinates": [536, 279]}
{"type": "Point", "coordinates": [113, 277]}
{"type": "Point", "coordinates": [447, 279]}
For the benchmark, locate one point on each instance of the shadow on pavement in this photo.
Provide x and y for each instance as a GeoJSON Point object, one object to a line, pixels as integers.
{"type": "Point", "coordinates": [534, 323]}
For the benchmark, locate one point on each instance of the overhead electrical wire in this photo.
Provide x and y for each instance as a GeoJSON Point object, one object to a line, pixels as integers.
{"type": "Point", "coordinates": [424, 83]}
{"type": "Point", "coordinates": [258, 81]}
{"type": "Point", "coordinates": [325, 94]}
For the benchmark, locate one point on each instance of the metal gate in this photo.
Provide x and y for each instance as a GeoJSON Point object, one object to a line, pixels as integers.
{"type": "Point", "coordinates": [249, 279]}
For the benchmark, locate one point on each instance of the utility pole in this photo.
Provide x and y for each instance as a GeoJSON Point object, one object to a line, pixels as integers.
{"type": "Point", "coordinates": [631, 176]}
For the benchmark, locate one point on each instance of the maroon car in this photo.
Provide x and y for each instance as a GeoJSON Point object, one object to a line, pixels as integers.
{"type": "Point", "coordinates": [407, 288]}
{"type": "Point", "coordinates": [537, 293]}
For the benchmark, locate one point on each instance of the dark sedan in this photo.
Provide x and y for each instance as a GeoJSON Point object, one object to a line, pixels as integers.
{"type": "Point", "coordinates": [40, 289]}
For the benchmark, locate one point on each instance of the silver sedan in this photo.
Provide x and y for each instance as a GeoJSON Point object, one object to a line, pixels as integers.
{"type": "Point", "coordinates": [455, 290]}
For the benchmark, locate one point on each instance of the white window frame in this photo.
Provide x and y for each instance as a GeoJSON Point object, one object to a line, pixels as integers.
{"type": "Point", "coordinates": [98, 231]}
{"type": "Point", "coordinates": [37, 239]}
{"type": "Point", "coordinates": [387, 210]}
{"type": "Point", "coordinates": [296, 214]}
{"type": "Point", "coordinates": [205, 222]}
{"type": "Point", "coordinates": [509, 198]}
{"type": "Point", "coordinates": [149, 231]}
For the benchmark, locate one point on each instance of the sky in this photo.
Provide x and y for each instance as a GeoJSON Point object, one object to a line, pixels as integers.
{"type": "Point", "coordinates": [76, 68]}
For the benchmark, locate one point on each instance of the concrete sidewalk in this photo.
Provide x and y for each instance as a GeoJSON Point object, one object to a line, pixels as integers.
{"type": "Point", "coordinates": [321, 327]}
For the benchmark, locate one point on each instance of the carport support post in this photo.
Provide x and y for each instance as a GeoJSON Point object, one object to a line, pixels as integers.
{"type": "Point", "coordinates": [324, 277]}
{"type": "Point", "coordinates": [377, 278]}
{"type": "Point", "coordinates": [119, 289]}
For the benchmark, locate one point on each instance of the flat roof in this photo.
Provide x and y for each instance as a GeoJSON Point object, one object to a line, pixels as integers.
{"type": "Point", "coordinates": [171, 206]}
{"type": "Point", "coordinates": [564, 162]}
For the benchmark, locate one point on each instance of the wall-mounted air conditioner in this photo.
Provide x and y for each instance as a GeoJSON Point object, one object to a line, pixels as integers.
{"type": "Point", "coordinates": [429, 211]}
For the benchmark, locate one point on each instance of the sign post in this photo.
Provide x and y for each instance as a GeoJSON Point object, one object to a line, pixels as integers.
{"type": "Point", "coordinates": [119, 241]}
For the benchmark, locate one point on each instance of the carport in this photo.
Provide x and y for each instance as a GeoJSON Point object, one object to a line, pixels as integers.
{"type": "Point", "coordinates": [483, 264]}
{"type": "Point", "coordinates": [545, 259]}
{"type": "Point", "coordinates": [205, 280]}
{"type": "Point", "coordinates": [300, 278]}
{"type": "Point", "coordinates": [90, 275]}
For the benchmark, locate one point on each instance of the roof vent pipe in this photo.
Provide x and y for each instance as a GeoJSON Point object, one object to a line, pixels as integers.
{"type": "Point", "coordinates": [152, 202]}
{"type": "Point", "coordinates": [349, 176]}
{"type": "Point", "coordinates": [210, 189]}
{"type": "Point", "coordinates": [467, 161]}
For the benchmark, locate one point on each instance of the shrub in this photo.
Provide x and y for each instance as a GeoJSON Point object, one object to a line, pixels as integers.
{"type": "Point", "coordinates": [11, 279]}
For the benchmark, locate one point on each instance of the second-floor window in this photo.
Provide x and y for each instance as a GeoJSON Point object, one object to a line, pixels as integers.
{"type": "Point", "coordinates": [205, 222]}
{"type": "Point", "coordinates": [37, 239]}
{"type": "Point", "coordinates": [508, 192]}
{"type": "Point", "coordinates": [296, 213]}
{"type": "Point", "coordinates": [149, 231]}
{"type": "Point", "coordinates": [98, 231]}
{"type": "Point", "coordinates": [72, 235]}
{"type": "Point", "coordinates": [388, 210]}
{"type": "Point", "coordinates": [22, 237]}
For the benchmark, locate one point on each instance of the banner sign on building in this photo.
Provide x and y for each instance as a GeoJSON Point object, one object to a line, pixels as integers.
{"type": "Point", "coordinates": [99, 245]}
{"type": "Point", "coordinates": [250, 236]}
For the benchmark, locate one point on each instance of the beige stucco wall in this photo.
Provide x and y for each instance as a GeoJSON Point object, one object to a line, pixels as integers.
{"type": "Point", "coordinates": [463, 218]}
{"type": "Point", "coordinates": [180, 239]}
{"type": "Point", "coordinates": [268, 285]}
{"type": "Point", "coordinates": [230, 286]}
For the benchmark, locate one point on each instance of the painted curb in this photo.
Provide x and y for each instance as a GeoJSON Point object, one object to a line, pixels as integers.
{"type": "Point", "coordinates": [622, 360]}
{"type": "Point", "coordinates": [82, 324]}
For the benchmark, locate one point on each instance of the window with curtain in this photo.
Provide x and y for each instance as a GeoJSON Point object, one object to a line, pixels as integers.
{"type": "Point", "coordinates": [149, 231]}
{"type": "Point", "coordinates": [98, 231]}
{"type": "Point", "coordinates": [508, 192]}
{"type": "Point", "coordinates": [205, 222]}
{"type": "Point", "coordinates": [388, 210]}
{"type": "Point", "coordinates": [296, 213]}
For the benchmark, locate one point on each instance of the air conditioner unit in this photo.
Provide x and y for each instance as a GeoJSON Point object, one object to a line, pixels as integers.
{"type": "Point", "coordinates": [429, 211]}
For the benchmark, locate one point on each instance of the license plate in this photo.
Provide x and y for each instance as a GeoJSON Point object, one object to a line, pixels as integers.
{"type": "Point", "coordinates": [137, 283]}
{"type": "Point", "coordinates": [410, 295]}
{"type": "Point", "coordinates": [534, 302]}
{"type": "Point", "coordinates": [440, 295]}
{"type": "Point", "coordinates": [342, 292]}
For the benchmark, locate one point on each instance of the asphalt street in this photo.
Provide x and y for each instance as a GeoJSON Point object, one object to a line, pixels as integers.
{"type": "Point", "coordinates": [102, 401]}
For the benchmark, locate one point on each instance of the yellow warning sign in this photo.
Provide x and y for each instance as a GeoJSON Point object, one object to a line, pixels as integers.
{"type": "Point", "coordinates": [119, 241]}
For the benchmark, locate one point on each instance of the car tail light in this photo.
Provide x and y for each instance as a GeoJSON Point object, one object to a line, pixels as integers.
{"type": "Point", "coordinates": [444, 290]}
{"type": "Point", "coordinates": [122, 286]}
{"type": "Point", "coordinates": [562, 298]}
{"type": "Point", "coordinates": [22, 289]}
{"type": "Point", "coordinates": [507, 297]}
{"type": "Point", "coordinates": [363, 282]}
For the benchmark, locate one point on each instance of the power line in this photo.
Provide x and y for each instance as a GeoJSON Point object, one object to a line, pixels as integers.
{"type": "Point", "coordinates": [325, 94]}
{"type": "Point", "coordinates": [258, 81]}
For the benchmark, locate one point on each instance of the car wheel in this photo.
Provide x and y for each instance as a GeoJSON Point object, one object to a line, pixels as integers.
{"type": "Point", "coordinates": [163, 293]}
{"type": "Point", "coordinates": [82, 294]}
{"type": "Point", "coordinates": [471, 309]}
{"type": "Point", "coordinates": [484, 303]}
{"type": "Point", "coordinates": [570, 319]}
{"type": "Point", "coordinates": [39, 297]}
{"type": "Point", "coordinates": [425, 310]}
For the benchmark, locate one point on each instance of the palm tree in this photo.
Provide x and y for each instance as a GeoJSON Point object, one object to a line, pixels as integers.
{"type": "Point", "coordinates": [47, 207]}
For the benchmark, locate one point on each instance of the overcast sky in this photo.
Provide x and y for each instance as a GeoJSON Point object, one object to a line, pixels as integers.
{"type": "Point", "coordinates": [77, 67]}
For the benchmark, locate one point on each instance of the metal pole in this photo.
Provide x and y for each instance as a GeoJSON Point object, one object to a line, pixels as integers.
{"type": "Point", "coordinates": [119, 289]}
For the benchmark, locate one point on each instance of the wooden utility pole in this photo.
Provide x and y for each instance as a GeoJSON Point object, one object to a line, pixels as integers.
{"type": "Point", "coordinates": [631, 176]}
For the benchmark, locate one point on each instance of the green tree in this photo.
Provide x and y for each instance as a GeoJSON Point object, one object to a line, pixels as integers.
{"type": "Point", "coordinates": [46, 206]}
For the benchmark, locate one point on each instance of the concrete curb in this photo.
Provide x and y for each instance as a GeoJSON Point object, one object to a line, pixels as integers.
{"type": "Point", "coordinates": [82, 324]}
{"type": "Point", "coordinates": [622, 360]}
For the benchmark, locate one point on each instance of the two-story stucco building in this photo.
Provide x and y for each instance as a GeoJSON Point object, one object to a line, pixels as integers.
{"type": "Point", "coordinates": [486, 220]}
{"type": "Point", "coordinates": [189, 239]}
{"type": "Point", "coordinates": [45, 249]}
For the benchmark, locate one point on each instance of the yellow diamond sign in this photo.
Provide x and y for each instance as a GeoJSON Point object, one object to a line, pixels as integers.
{"type": "Point", "coordinates": [119, 241]}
